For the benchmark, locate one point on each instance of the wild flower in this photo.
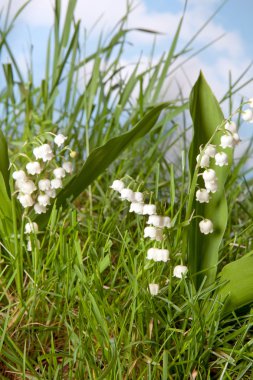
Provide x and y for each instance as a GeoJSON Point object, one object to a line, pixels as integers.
{"type": "Point", "coordinates": [210, 150]}
{"type": "Point", "coordinates": [39, 209]}
{"type": "Point", "coordinates": [231, 126]}
{"type": "Point", "coordinates": [19, 175]}
{"type": "Point", "coordinates": [203, 161]}
{"type": "Point", "coordinates": [153, 233]}
{"type": "Point", "coordinates": [226, 141]}
{"type": "Point", "coordinates": [154, 289]}
{"type": "Point", "coordinates": [127, 194]}
{"type": "Point", "coordinates": [44, 184]}
{"type": "Point", "coordinates": [59, 173]}
{"type": "Point", "coordinates": [180, 271]}
{"type": "Point", "coordinates": [159, 221]}
{"type": "Point", "coordinates": [44, 200]}
{"type": "Point", "coordinates": [68, 167]}
{"type": "Point", "coordinates": [138, 196]}
{"type": "Point", "coordinates": [56, 183]}
{"type": "Point", "coordinates": [26, 200]}
{"type": "Point", "coordinates": [117, 185]}
{"type": "Point", "coordinates": [136, 207]}
{"type": "Point", "coordinates": [158, 254]}
{"type": "Point", "coordinates": [33, 168]}
{"type": "Point", "coordinates": [43, 152]}
{"type": "Point", "coordinates": [221, 159]}
{"type": "Point", "coordinates": [149, 209]}
{"type": "Point", "coordinates": [247, 115]}
{"type": "Point", "coordinates": [206, 226]}
{"type": "Point", "coordinates": [209, 175]}
{"type": "Point", "coordinates": [211, 186]}
{"type": "Point", "coordinates": [31, 227]}
{"type": "Point", "coordinates": [202, 196]}
{"type": "Point", "coordinates": [60, 139]}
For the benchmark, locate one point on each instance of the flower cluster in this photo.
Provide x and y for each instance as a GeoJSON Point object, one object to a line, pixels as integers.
{"type": "Point", "coordinates": [247, 114]}
{"type": "Point", "coordinates": [154, 229]}
{"type": "Point", "coordinates": [228, 140]}
{"type": "Point", "coordinates": [37, 184]}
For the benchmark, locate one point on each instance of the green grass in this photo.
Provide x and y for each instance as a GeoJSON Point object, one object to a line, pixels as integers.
{"type": "Point", "coordinates": [77, 306]}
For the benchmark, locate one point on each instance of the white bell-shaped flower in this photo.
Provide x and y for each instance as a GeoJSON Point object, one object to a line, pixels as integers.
{"type": "Point", "coordinates": [31, 227]}
{"type": "Point", "coordinates": [117, 185]}
{"type": "Point", "coordinates": [44, 152]}
{"type": "Point", "coordinates": [206, 226]}
{"type": "Point", "coordinates": [56, 183]}
{"type": "Point", "coordinates": [19, 175]}
{"type": "Point", "coordinates": [211, 186]}
{"type": "Point", "coordinates": [236, 139]}
{"type": "Point", "coordinates": [202, 196]}
{"type": "Point", "coordinates": [221, 159]}
{"type": "Point", "coordinates": [204, 161]}
{"type": "Point", "coordinates": [231, 126]}
{"type": "Point", "coordinates": [127, 194]}
{"type": "Point", "coordinates": [209, 175]}
{"type": "Point", "coordinates": [158, 254]}
{"type": "Point", "coordinates": [179, 271]}
{"type": "Point", "coordinates": [60, 139]}
{"type": "Point", "coordinates": [153, 233]}
{"type": "Point", "coordinates": [39, 209]}
{"type": "Point", "coordinates": [138, 196]}
{"type": "Point", "coordinates": [44, 200]}
{"type": "Point", "coordinates": [226, 141]}
{"type": "Point", "coordinates": [136, 207]}
{"type": "Point", "coordinates": [210, 150]}
{"type": "Point", "coordinates": [51, 193]}
{"type": "Point", "coordinates": [44, 184]}
{"type": "Point", "coordinates": [159, 221]}
{"type": "Point", "coordinates": [68, 167]}
{"type": "Point", "coordinates": [149, 209]}
{"type": "Point", "coordinates": [247, 115]}
{"type": "Point", "coordinates": [27, 187]}
{"type": "Point", "coordinates": [59, 173]}
{"type": "Point", "coordinates": [154, 289]}
{"type": "Point", "coordinates": [25, 200]}
{"type": "Point", "coordinates": [33, 168]}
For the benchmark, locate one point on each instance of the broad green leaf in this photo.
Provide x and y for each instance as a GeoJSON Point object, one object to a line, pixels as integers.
{"type": "Point", "coordinates": [5, 209]}
{"type": "Point", "coordinates": [203, 249]}
{"type": "Point", "coordinates": [4, 162]}
{"type": "Point", "coordinates": [104, 155]}
{"type": "Point", "coordinates": [237, 277]}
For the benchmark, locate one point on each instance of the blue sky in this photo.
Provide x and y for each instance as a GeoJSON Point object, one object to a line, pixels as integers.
{"type": "Point", "coordinates": [234, 52]}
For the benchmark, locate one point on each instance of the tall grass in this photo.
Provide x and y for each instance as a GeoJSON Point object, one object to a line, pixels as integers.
{"type": "Point", "coordinates": [77, 306]}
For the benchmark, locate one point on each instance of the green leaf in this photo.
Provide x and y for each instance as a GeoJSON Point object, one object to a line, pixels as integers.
{"type": "Point", "coordinates": [203, 249]}
{"type": "Point", "coordinates": [4, 162]}
{"type": "Point", "coordinates": [104, 155]}
{"type": "Point", "coordinates": [237, 277]}
{"type": "Point", "coordinates": [6, 224]}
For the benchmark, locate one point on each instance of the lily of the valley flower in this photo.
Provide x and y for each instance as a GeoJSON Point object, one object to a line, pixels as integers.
{"type": "Point", "coordinates": [44, 152]}
{"type": "Point", "coordinates": [206, 226]}
{"type": "Point", "coordinates": [25, 200]}
{"type": "Point", "coordinates": [19, 175]}
{"type": "Point", "coordinates": [44, 200]}
{"type": "Point", "coordinates": [117, 185]}
{"type": "Point", "coordinates": [231, 126]}
{"type": "Point", "coordinates": [158, 254]}
{"type": "Point", "coordinates": [154, 289]}
{"type": "Point", "coordinates": [138, 196]}
{"type": "Point", "coordinates": [59, 173]}
{"type": "Point", "coordinates": [149, 209]}
{"type": "Point", "coordinates": [33, 168]}
{"type": "Point", "coordinates": [56, 183]}
{"type": "Point", "coordinates": [153, 233]}
{"type": "Point", "coordinates": [127, 194]}
{"type": "Point", "coordinates": [60, 139]}
{"type": "Point", "coordinates": [31, 227]}
{"type": "Point", "coordinates": [159, 221]}
{"type": "Point", "coordinates": [202, 196]}
{"type": "Point", "coordinates": [226, 141]}
{"type": "Point", "coordinates": [39, 209]}
{"type": "Point", "coordinates": [136, 207]}
{"type": "Point", "coordinates": [211, 186]}
{"type": "Point", "coordinates": [221, 159]}
{"type": "Point", "coordinates": [209, 175]}
{"type": "Point", "coordinates": [210, 150]}
{"type": "Point", "coordinates": [204, 161]}
{"type": "Point", "coordinates": [44, 184]}
{"type": "Point", "coordinates": [179, 271]}
{"type": "Point", "coordinates": [68, 167]}
{"type": "Point", "coordinates": [247, 115]}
